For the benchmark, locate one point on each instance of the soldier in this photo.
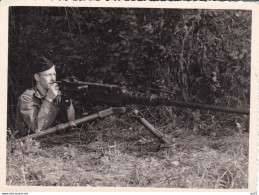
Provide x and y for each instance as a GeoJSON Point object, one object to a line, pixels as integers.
{"type": "Point", "coordinates": [42, 106]}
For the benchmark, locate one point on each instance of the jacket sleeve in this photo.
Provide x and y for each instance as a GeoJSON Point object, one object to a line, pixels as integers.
{"type": "Point", "coordinates": [37, 117]}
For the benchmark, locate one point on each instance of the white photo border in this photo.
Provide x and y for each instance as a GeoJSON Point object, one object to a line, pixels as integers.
{"type": "Point", "coordinates": [253, 145]}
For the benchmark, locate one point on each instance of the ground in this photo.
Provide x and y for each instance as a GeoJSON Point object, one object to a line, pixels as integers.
{"type": "Point", "coordinates": [118, 152]}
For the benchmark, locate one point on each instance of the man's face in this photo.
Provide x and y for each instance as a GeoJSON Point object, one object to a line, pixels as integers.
{"type": "Point", "coordinates": [45, 78]}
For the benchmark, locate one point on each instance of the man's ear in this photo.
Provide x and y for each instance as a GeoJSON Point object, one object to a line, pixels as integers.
{"type": "Point", "coordinates": [37, 77]}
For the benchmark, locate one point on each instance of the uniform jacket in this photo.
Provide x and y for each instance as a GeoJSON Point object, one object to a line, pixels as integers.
{"type": "Point", "coordinates": [35, 113]}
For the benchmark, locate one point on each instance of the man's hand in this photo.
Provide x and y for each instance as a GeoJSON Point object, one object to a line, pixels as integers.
{"type": "Point", "coordinates": [53, 92]}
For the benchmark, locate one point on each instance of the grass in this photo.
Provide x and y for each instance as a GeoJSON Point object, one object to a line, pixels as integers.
{"type": "Point", "coordinates": [118, 152]}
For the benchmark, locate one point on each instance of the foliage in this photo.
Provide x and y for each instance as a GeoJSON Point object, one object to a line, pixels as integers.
{"type": "Point", "coordinates": [198, 55]}
{"type": "Point", "coordinates": [180, 50]}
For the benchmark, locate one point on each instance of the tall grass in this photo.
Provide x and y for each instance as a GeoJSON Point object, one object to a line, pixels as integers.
{"type": "Point", "coordinates": [120, 152]}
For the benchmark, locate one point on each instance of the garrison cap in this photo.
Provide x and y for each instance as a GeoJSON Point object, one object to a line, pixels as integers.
{"type": "Point", "coordinates": [41, 64]}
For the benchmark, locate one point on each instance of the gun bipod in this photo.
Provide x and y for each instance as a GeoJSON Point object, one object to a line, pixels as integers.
{"type": "Point", "coordinates": [140, 118]}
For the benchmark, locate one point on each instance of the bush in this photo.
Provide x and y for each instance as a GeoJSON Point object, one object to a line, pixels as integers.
{"type": "Point", "coordinates": [199, 55]}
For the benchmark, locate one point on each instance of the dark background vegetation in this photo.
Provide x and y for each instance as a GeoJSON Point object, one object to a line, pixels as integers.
{"type": "Point", "coordinates": [199, 55]}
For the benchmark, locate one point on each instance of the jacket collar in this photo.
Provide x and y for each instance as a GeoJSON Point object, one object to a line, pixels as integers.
{"type": "Point", "coordinates": [38, 94]}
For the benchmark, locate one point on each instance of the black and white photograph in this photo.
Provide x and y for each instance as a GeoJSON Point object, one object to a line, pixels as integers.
{"type": "Point", "coordinates": [130, 97]}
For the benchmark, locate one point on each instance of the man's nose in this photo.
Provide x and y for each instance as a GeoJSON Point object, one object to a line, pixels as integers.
{"type": "Point", "coordinates": [53, 78]}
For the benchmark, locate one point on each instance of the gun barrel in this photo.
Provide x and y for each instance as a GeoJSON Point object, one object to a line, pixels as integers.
{"type": "Point", "coordinates": [205, 106]}
{"type": "Point", "coordinates": [153, 99]}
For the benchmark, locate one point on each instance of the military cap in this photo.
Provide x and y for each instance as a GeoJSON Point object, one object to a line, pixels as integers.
{"type": "Point", "coordinates": [41, 64]}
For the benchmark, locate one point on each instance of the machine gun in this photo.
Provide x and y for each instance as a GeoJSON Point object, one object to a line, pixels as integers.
{"type": "Point", "coordinates": [115, 95]}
